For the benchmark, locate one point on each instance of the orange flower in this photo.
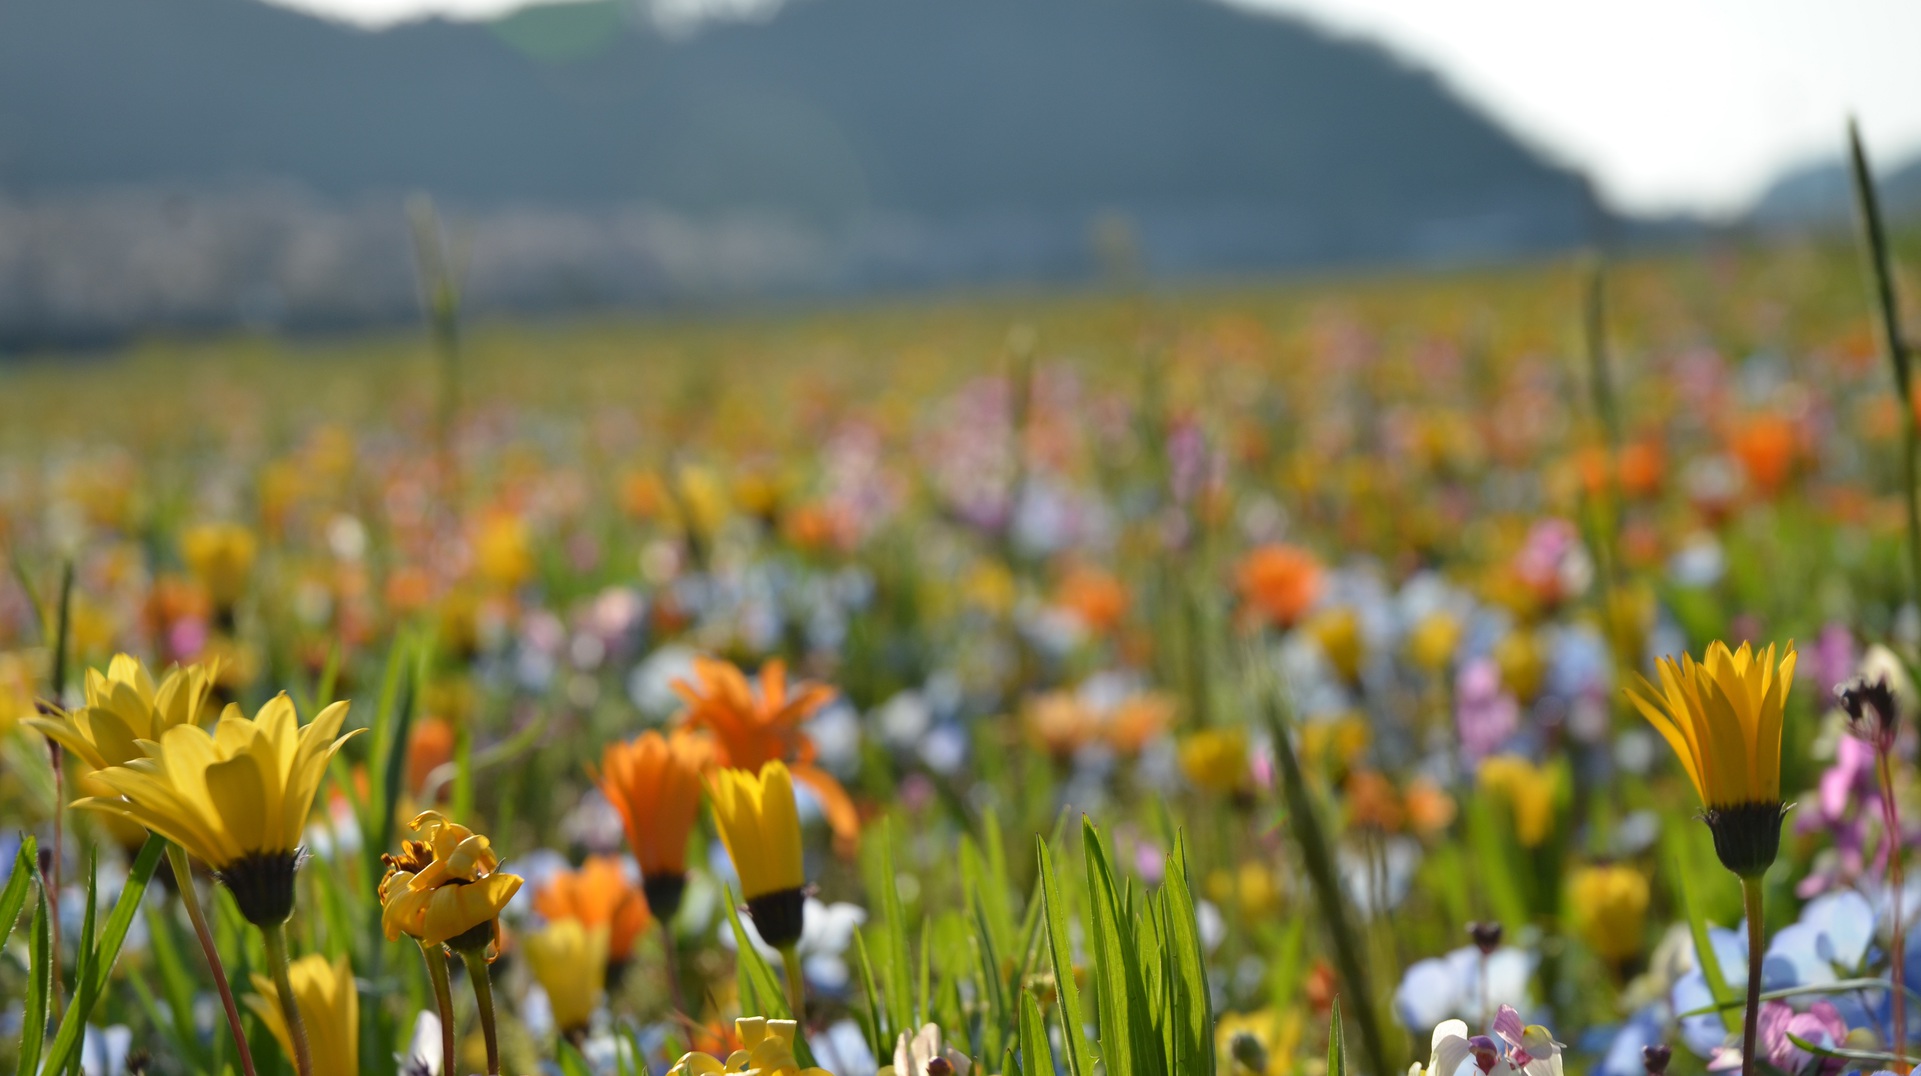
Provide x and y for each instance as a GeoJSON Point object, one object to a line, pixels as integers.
{"type": "Point", "coordinates": [754, 727]}
{"type": "Point", "coordinates": [654, 782]}
{"type": "Point", "coordinates": [1097, 599]}
{"type": "Point", "coordinates": [1060, 722]}
{"type": "Point", "coordinates": [1139, 719]}
{"type": "Point", "coordinates": [1767, 446]}
{"type": "Point", "coordinates": [1372, 801]}
{"type": "Point", "coordinates": [598, 894]}
{"type": "Point", "coordinates": [430, 746]}
{"type": "Point", "coordinates": [1279, 583]}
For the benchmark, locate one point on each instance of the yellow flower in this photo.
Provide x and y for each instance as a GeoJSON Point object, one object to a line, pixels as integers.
{"type": "Point", "coordinates": [1434, 641]}
{"type": "Point", "coordinates": [18, 674]}
{"type": "Point", "coordinates": [1723, 718]}
{"type": "Point", "coordinates": [440, 889]}
{"type": "Point", "coordinates": [767, 1049]}
{"type": "Point", "coordinates": [570, 960]}
{"type": "Point", "coordinates": [236, 798]}
{"type": "Point", "coordinates": [1521, 662]}
{"type": "Point", "coordinates": [1216, 759]}
{"type": "Point", "coordinates": [221, 556]}
{"type": "Point", "coordinates": [1608, 907]}
{"type": "Point", "coordinates": [761, 829]}
{"type": "Point", "coordinates": [1529, 791]}
{"type": "Point", "coordinates": [1258, 1043]}
{"type": "Point", "coordinates": [1338, 631]}
{"type": "Point", "coordinates": [329, 1007]}
{"type": "Point", "coordinates": [124, 707]}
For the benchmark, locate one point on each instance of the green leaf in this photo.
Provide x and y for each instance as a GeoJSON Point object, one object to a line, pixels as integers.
{"type": "Point", "coordinates": [14, 896]}
{"type": "Point", "coordinates": [1845, 986]}
{"type": "Point", "coordinates": [1336, 1043]}
{"type": "Point", "coordinates": [176, 985]}
{"type": "Point", "coordinates": [571, 1063]}
{"type": "Point", "coordinates": [1128, 1041]}
{"type": "Point", "coordinates": [1724, 996]}
{"type": "Point", "coordinates": [1037, 1057]}
{"type": "Point", "coordinates": [896, 975]}
{"type": "Point", "coordinates": [1187, 971]}
{"type": "Point", "coordinates": [875, 1023]}
{"type": "Point", "coordinates": [33, 1030]}
{"type": "Point", "coordinates": [101, 955]}
{"type": "Point", "coordinates": [1871, 1057]}
{"type": "Point", "coordinates": [1060, 950]}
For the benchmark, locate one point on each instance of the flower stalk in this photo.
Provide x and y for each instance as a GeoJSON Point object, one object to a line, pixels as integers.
{"type": "Point", "coordinates": [796, 983]}
{"type": "Point", "coordinates": [274, 936]}
{"type": "Point", "coordinates": [484, 997]}
{"type": "Point", "coordinates": [436, 958]}
{"type": "Point", "coordinates": [1757, 951]}
{"type": "Point", "coordinates": [1891, 822]}
{"type": "Point", "coordinates": [190, 896]}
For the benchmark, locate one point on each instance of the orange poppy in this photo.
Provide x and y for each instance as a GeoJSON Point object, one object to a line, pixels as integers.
{"type": "Point", "coordinates": [754, 726]}
{"type": "Point", "coordinates": [598, 894]}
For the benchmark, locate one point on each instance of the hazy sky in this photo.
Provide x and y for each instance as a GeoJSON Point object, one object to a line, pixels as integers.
{"type": "Point", "coordinates": [1669, 104]}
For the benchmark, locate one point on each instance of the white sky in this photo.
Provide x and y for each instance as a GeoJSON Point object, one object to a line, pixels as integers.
{"type": "Point", "coordinates": [1669, 104]}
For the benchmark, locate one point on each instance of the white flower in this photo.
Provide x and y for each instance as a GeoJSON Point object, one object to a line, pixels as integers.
{"type": "Point", "coordinates": [912, 1056]}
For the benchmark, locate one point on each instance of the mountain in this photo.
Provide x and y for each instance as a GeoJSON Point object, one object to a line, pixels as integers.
{"type": "Point", "coordinates": [213, 161]}
{"type": "Point", "coordinates": [1820, 195]}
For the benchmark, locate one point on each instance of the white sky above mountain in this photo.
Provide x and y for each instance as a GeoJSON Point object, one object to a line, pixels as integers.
{"type": "Point", "coordinates": [1670, 105]}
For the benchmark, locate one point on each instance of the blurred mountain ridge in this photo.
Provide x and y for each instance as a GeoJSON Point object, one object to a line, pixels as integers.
{"type": "Point", "coordinates": [213, 162]}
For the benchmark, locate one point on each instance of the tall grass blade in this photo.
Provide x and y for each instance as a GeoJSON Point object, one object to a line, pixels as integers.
{"type": "Point", "coordinates": [1061, 952]}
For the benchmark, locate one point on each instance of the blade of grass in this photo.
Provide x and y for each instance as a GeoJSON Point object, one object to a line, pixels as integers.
{"type": "Point", "coordinates": [101, 955]}
{"type": "Point", "coordinates": [33, 1027]}
{"type": "Point", "coordinates": [14, 897]}
{"type": "Point", "coordinates": [1060, 950]}
{"type": "Point", "coordinates": [1037, 1057]}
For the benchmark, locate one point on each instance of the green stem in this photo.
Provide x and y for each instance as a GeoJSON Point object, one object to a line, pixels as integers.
{"type": "Point", "coordinates": [1757, 951]}
{"type": "Point", "coordinates": [189, 896]}
{"type": "Point", "coordinates": [669, 948]}
{"type": "Point", "coordinates": [1891, 822]}
{"type": "Point", "coordinates": [484, 997]}
{"type": "Point", "coordinates": [796, 983]}
{"type": "Point", "coordinates": [436, 957]}
{"type": "Point", "coordinates": [275, 937]}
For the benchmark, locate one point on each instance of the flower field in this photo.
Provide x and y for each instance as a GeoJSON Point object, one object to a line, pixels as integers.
{"type": "Point", "coordinates": [1505, 668]}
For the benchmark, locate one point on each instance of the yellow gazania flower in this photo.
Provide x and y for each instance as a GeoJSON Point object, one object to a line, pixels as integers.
{"type": "Point", "coordinates": [1338, 631]}
{"type": "Point", "coordinates": [124, 707]}
{"type": "Point", "coordinates": [1216, 760]}
{"type": "Point", "coordinates": [329, 1007]}
{"type": "Point", "coordinates": [442, 888]}
{"type": "Point", "coordinates": [570, 961]}
{"type": "Point", "coordinates": [221, 556]}
{"type": "Point", "coordinates": [1723, 718]}
{"type": "Point", "coordinates": [1530, 792]}
{"type": "Point", "coordinates": [1608, 907]}
{"type": "Point", "coordinates": [236, 798]}
{"type": "Point", "coordinates": [767, 1049]}
{"type": "Point", "coordinates": [760, 827]}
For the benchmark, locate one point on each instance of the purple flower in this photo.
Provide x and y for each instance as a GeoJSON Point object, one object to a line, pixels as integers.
{"type": "Point", "coordinates": [1484, 714]}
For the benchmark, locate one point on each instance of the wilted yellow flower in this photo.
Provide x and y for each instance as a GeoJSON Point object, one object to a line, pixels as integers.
{"type": "Point", "coordinates": [445, 888]}
{"type": "Point", "coordinates": [767, 1049]}
{"type": "Point", "coordinates": [236, 798]}
{"type": "Point", "coordinates": [125, 706]}
{"type": "Point", "coordinates": [570, 960]}
{"type": "Point", "coordinates": [761, 829]}
{"type": "Point", "coordinates": [1216, 759]}
{"type": "Point", "coordinates": [329, 1008]}
{"type": "Point", "coordinates": [1608, 907]}
{"type": "Point", "coordinates": [1529, 791]}
{"type": "Point", "coordinates": [1723, 718]}
{"type": "Point", "coordinates": [221, 556]}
